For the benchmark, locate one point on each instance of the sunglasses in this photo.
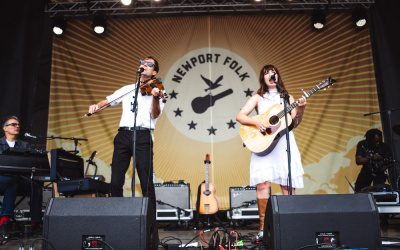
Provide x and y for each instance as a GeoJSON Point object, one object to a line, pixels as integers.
{"type": "Point", "coordinates": [12, 124]}
{"type": "Point", "coordinates": [150, 64]}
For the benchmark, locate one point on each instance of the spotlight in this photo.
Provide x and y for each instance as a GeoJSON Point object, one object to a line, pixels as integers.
{"type": "Point", "coordinates": [126, 2]}
{"type": "Point", "coordinates": [59, 25]}
{"type": "Point", "coordinates": [318, 19]}
{"type": "Point", "coordinates": [359, 17]}
{"type": "Point", "coordinates": [99, 24]}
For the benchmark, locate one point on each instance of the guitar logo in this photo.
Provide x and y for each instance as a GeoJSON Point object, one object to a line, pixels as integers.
{"type": "Point", "coordinates": [201, 104]}
{"type": "Point", "coordinates": [212, 85]}
{"type": "Point", "coordinates": [206, 88]}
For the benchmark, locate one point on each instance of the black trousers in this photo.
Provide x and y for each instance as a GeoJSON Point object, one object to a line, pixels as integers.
{"type": "Point", "coordinates": [11, 186]}
{"type": "Point", "coordinates": [123, 152]}
{"type": "Point", "coordinates": [366, 177]}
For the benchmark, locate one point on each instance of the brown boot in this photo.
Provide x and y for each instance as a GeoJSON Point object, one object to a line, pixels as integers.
{"type": "Point", "coordinates": [262, 207]}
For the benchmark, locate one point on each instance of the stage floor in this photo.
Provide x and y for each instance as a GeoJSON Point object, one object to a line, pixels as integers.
{"type": "Point", "coordinates": [174, 233]}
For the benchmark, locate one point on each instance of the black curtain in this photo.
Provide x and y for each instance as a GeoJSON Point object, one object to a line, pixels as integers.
{"type": "Point", "coordinates": [386, 51]}
{"type": "Point", "coordinates": [25, 66]}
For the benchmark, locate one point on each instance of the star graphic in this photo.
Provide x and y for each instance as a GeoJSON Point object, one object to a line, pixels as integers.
{"type": "Point", "coordinates": [178, 112]}
{"type": "Point", "coordinates": [248, 92]}
{"type": "Point", "coordinates": [211, 130]}
{"type": "Point", "coordinates": [192, 125]}
{"type": "Point", "coordinates": [173, 94]}
{"type": "Point", "coordinates": [231, 124]}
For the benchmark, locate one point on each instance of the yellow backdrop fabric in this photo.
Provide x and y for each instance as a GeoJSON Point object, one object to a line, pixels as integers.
{"type": "Point", "coordinates": [230, 51]}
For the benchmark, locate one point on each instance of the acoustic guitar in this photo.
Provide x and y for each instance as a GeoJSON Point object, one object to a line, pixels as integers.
{"type": "Point", "coordinates": [263, 143]}
{"type": "Point", "coordinates": [208, 202]}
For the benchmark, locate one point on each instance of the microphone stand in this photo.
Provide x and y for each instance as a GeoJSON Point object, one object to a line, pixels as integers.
{"type": "Point", "coordinates": [389, 135]}
{"type": "Point", "coordinates": [285, 97]}
{"type": "Point", "coordinates": [76, 140]}
{"type": "Point", "coordinates": [135, 109]}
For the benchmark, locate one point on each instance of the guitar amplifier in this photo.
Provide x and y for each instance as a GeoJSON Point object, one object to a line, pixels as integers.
{"type": "Point", "coordinates": [386, 198]}
{"type": "Point", "coordinates": [174, 214]}
{"type": "Point", "coordinates": [243, 203]}
{"type": "Point", "coordinates": [173, 201]}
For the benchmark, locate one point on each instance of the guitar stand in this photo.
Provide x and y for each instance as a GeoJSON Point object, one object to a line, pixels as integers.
{"type": "Point", "coordinates": [205, 222]}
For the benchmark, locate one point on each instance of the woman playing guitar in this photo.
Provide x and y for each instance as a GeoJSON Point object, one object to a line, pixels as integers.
{"type": "Point", "coordinates": [272, 167]}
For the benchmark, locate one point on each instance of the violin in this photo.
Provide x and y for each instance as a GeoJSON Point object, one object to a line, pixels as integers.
{"type": "Point", "coordinates": [147, 87]}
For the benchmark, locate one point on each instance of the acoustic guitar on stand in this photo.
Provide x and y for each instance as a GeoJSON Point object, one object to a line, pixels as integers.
{"type": "Point", "coordinates": [263, 143]}
{"type": "Point", "coordinates": [208, 202]}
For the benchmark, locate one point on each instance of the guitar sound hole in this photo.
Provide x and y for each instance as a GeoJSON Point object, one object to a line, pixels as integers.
{"type": "Point", "coordinates": [273, 120]}
{"type": "Point", "coordinates": [207, 193]}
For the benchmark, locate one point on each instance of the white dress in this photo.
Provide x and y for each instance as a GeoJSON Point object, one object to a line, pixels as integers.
{"type": "Point", "coordinates": [273, 167]}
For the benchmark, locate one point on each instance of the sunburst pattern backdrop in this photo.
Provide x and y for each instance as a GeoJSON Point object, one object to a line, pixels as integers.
{"type": "Point", "coordinates": [232, 49]}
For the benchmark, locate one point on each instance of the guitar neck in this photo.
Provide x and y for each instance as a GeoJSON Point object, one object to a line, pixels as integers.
{"type": "Point", "coordinates": [207, 180]}
{"type": "Point", "coordinates": [296, 104]}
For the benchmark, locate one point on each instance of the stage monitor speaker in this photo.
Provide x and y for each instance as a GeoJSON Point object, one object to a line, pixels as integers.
{"type": "Point", "coordinates": [92, 223]}
{"type": "Point", "coordinates": [174, 194]}
{"type": "Point", "coordinates": [322, 222]}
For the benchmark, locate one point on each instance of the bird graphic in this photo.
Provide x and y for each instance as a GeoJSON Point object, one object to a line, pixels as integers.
{"type": "Point", "coordinates": [212, 85]}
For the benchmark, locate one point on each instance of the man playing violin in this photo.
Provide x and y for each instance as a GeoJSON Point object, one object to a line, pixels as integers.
{"type": "Point", "coordinates": [135, 134]}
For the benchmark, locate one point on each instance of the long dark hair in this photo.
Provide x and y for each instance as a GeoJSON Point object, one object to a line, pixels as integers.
{"type": "Point", "coordinates": [263, 85]}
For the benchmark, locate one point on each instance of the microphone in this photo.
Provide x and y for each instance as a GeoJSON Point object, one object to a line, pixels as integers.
{"type": "Point", "coordinates": [273, 78]}
{"type": "Point", "coordinates": [140, 70]}
{"type": "Point", "coordinates": [90, 160]}
{"type": "Point", "coordinates": [30, 136]}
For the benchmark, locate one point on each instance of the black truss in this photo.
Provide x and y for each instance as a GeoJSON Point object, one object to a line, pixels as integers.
{"type": "Point", "coordinates": [84, 8]}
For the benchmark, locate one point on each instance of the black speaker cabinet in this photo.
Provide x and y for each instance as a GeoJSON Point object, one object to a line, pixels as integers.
{"type": "Point", "coordinates": [86, 223]}
{"type": "Point", "coordinates": [322, 222]}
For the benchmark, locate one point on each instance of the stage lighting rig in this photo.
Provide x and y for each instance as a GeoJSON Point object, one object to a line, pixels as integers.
{"type": "Point", "coordinates": [59, 25]}
{"type": "Point", "coordinates": [318, 19]}
{"type": "Point", "coordinates": [99, 24]}
{"type": "Point", "coordinates": [359, 17]}
{"type": "Point", "coordinates": [126, 2]}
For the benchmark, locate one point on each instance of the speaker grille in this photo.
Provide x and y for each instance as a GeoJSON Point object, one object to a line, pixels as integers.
{"type": "Point", "coordinates": [174, 194]}
{"type": "Point", "coordinates": [239, 196]}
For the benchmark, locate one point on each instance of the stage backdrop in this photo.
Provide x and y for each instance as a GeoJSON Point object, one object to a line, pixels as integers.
{"type": "Point", "coordinates": [230, 51]}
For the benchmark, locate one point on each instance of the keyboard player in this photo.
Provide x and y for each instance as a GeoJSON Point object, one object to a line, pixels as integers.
{"type": "Point", "coordinates": [11, 185]}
